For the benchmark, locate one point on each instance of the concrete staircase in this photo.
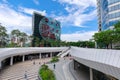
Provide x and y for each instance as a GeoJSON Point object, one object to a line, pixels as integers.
{"type": "Point", "coordinates": [17, 71]}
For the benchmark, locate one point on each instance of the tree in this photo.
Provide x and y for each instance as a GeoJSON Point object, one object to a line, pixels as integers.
{"type": "Point", "coordinates": [104, 38]}
{"type": "Point", "coordinates": [15, 33]}
{"type": "Point", "coordinates": [30, 37]}
{"type": "Point", "coordinates": [62, 43]}
{"type": "Point", "coordinates": [15, 37]}
{"type": "Point", "coordinates": [89, 44]}
{"type": "Point", "coordinates": [108, 37]}
{"type": "Point", "coordinates": [117, 25]}
{"type": "Point", "coordinates": [23, 37]}
{"type": "Point", "coordinates": [37, 42]}
{"type": "Point", "coordinates": [3, 36]}
{"type": "Point", "coordinates": [117, 32]}
{"type": "Point", "coordinates": [12, 44]}
{"type": "Point", "coordinates": [20, 36]}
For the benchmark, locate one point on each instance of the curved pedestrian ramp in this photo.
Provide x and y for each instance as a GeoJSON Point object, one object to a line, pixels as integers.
{"type": "Point", "coordinates": [106, 61]}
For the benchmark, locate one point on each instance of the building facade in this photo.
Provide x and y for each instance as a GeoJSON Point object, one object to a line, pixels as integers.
{"type": "Point", "coordinates": [108, 13]}
{"type": "Point", "coordinates": [45, 30]}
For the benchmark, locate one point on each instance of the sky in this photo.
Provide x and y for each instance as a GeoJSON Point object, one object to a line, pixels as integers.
{"type": "Point", "coordinates": [78, 17]}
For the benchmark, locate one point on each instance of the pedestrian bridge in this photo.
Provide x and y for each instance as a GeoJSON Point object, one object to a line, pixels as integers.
{"type": "Point", "coordinates": [10, 55]}
{"type": "Point", "coordinates": [106, 61]}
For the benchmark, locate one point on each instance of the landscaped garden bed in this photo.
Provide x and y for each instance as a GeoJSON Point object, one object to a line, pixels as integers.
{"type": "Point", "coordinates": [46, 74]}
{"type": "Point", "coordinates": [54, 59]}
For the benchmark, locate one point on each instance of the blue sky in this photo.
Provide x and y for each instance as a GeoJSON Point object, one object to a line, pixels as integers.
{"type": "Point", "coordinates": [78, 17]}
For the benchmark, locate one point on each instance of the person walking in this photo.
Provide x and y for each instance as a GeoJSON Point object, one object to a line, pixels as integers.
{"type": "Point", "coordinates": [39, 63]}
{"type": "Point", "coordinates": [33, 62]}
{"type": "Point", "coordinates": [25, 75]}
{"type": "Point", "coordinates": [54, 66]}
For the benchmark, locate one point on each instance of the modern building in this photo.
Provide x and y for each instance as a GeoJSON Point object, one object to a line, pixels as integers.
{"type": "Point", "coordinates": [45, 30]}
{"type": "Point", "coordinates": [108, 13]}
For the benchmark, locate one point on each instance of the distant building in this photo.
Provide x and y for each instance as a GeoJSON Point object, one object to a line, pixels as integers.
{"type": "Point", "coordinates": [15, 39]}
{"type": "Point", "coordinates": [108, 13]}
{"type": "Point", "coordinates": [19, 41]}
{"type": "Point", "coordinates": [45, 30]}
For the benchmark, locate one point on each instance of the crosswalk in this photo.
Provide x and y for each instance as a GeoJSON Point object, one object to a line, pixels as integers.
{"type": "Point", "coordinates": [18, 71]}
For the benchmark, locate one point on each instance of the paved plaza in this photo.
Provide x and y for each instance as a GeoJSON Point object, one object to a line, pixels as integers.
{"type": "Point", "coordinates": [63, 70]}
{"type": "Point", "coordinates": [18, 71]}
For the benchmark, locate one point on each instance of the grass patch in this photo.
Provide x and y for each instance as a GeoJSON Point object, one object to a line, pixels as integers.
{"type": "Point", "coordinates": [46, 73]}
{"type": "Point", "coordinates": [54, 59]}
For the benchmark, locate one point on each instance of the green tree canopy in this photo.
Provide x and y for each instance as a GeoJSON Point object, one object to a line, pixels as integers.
{"type": "Point", "coordinates": [3, 36]}
{"type": "Point", "coordinates": [15, 32]}
{"type": "Point", "coordinates": [117, 25]}
{"type": "Point", "coordinates": [108, 37]}
{"type": "Point", "coordinates": [21, 35]}
{"type": "Point", "coordinates": [117, 32]}
{"type": "Point", "coordinates": [89, 44]}
{"type": "Point", "coordinates": [104, 38]}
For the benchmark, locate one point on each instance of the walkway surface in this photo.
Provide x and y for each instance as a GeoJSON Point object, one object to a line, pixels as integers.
{"type": "Point", "coordinates": [18, 71]}
{"type": "Point", "coordinates": [63, 70]}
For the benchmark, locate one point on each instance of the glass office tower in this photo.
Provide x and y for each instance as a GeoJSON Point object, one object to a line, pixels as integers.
{"type": "Point", "coordinates": [108, 13]}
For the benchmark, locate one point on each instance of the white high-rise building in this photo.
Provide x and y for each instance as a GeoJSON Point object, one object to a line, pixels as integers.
{"type": "Point", "coordinates": [108, 13]}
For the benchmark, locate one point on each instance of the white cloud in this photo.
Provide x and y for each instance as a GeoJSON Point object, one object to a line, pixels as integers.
{"type": "Point", "coordinates": [71, 9]}
{"type": "Point", "coordinates": [77, 18]}
{"type": "Point", "coordinates": [76, 9]}
{"type": "Point", "coordinates": [30, 11]}
{"type": "Point", "coordinates": [36, 2]}
{"type": "Point", "coordinates": [74, 37]}
{"type": "Point", "coordinates": [79, 2]}
{"type": "Point", "coordinates": [12, 19]}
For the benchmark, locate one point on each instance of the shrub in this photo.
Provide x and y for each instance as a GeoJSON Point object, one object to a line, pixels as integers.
{"type": "Point", "coordinates": [55, 59]}
{"type": "Point", "coordinates": [46, 73]}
